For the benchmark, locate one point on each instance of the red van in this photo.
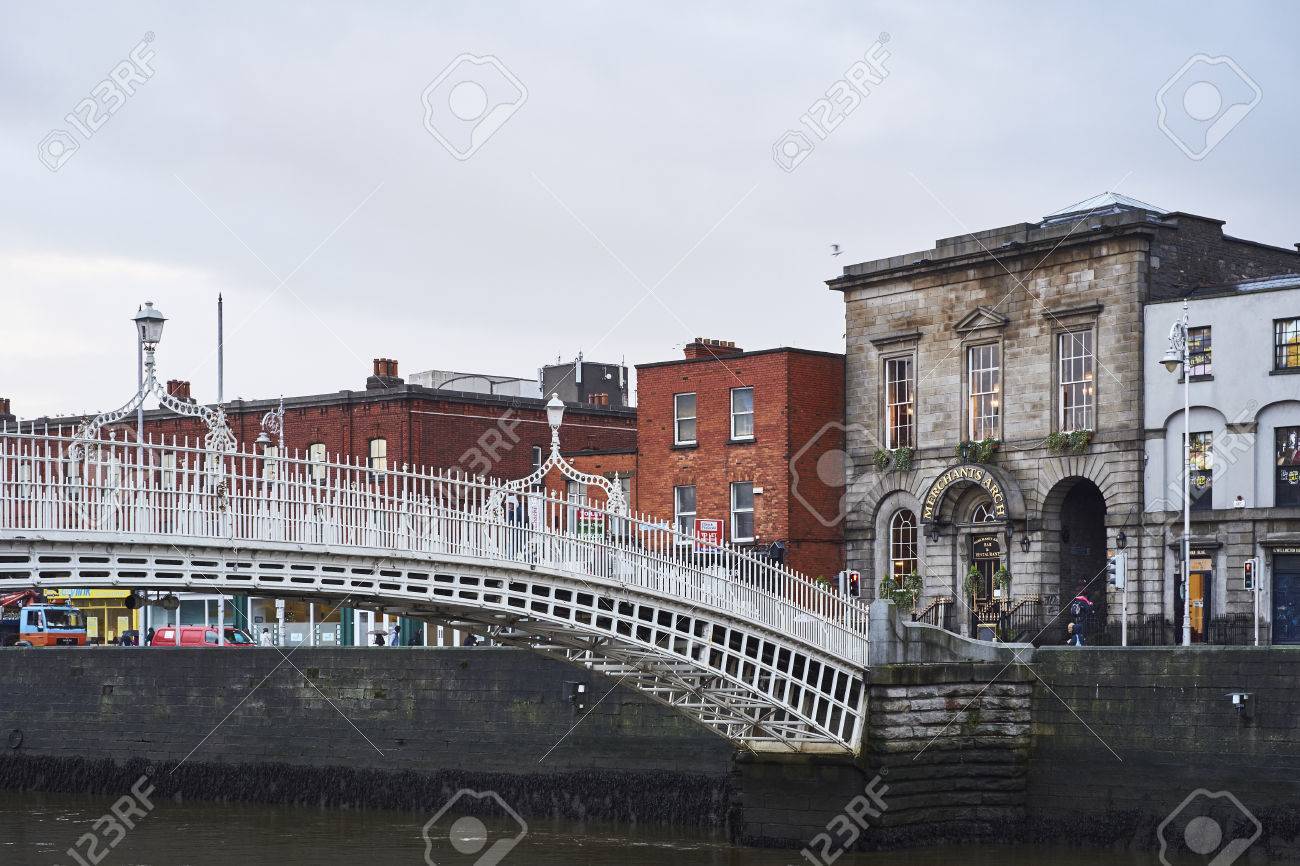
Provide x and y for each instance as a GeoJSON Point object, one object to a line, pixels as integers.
{"type": "Point", "coordinates": [199, 635]}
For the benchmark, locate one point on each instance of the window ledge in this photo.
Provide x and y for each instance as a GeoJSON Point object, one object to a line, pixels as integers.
{"type": "Point", "coordinates": [744, 440]}
{"type": "Point", "coordinates": [685, 446]}
{"type": "Point", "coordinates": [1285, 371]}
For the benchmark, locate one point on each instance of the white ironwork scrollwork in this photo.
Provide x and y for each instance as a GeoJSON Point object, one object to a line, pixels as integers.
{"type": "Point", "coordinates": [615, 502]}
{"type": "Point", "coordinates": [219, 439]}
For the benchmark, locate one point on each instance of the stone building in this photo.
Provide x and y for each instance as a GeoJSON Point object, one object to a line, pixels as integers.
{"type": "Point", "coordinates": [1245, 446]}
{"type": "Point", "coordinates": [994, 404]}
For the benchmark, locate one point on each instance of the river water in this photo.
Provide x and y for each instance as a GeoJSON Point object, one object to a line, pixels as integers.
{"type": "Point", "coordinates": [38, 830]}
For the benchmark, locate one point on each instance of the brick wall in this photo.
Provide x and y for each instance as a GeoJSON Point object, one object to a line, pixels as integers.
{"type": "Point", "coordinates": [478, 434]}
{"type": "Point", "coordinates": [796, 395]}
{"type": "Point", "coordinates": [1193, 251]}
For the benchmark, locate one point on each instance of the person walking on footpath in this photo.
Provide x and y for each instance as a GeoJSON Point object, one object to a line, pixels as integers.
{"type": "Point", "coordinates": [1080, 613]}
{"type": "Point", "coordinates": [266, 637]}
{"type": "Point", "coordinates": [395, 635]}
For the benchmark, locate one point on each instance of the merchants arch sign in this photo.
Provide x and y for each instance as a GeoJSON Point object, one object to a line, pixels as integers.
{"type": "Point", "coordinates": [1003, 492]}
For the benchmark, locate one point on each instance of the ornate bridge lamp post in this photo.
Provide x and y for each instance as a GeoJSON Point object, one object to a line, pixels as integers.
{"type": "Point", "coordinates": [217, 443]}
{"type": "Point", "coordinates": [615, 502]}
{"type": "Point", "coordinates": [1177, 358]}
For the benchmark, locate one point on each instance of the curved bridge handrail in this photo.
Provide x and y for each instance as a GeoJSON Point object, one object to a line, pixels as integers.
{"type": "Point", "coordinates": [168, 489]}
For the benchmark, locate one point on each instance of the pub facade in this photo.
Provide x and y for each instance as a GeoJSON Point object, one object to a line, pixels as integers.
{"type": "Point", "coordinates": [995, 434]}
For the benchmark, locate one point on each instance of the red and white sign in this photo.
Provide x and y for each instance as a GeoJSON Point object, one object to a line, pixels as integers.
{"type": "Point", "coordinates": [708, 533]}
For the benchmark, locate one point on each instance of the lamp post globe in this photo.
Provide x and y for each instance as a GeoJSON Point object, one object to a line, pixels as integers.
{"type": "Point", "coordinates": [149, 324]}
{"type": "Point", "coordinates": [555, 412]}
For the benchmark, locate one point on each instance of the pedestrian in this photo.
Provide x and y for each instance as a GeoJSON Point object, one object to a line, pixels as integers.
{"type": "Point", "coordinates": [1080, 613]}
{"type": "Point", "coordinates": [395, 635]}
{"type": "Point", "coordinates": [379, 638]}
{"type": "Point", "coordinates": [148, 641]}
{"type": "Point", "coordinates": [1071, 639]}
{"type": "Point", "coordinates": [266, 637]}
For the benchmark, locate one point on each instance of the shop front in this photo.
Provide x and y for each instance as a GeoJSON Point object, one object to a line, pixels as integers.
{"type": "Point", "coordinates": [107, 616]}
{"type": "Point", "coordinates": [1286, 595]}
{"type": "Point", "coordinates": [1201, 586]}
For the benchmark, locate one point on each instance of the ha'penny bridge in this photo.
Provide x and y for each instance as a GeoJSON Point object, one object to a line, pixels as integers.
{"type": "Point", "coordinates": [756, 652]}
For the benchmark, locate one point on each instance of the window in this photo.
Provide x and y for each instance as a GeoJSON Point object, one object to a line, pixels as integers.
{"type": "Point", "coordinates": [684, 419]}
{"type": "Point", "coordinates": [537, 457]}
{"type": "Point", "coordinates": [902, 544]}
{"type": "Point", "coordinates": [984, 391]}
{"type": "Point", "coordinates": [1201, 465]}
{"type": "Point", "coordinates": [1286, 490]}
{"type": "Point", "coordinates": [984, 513]}
{"type": "Point", "coordinates": [742, 413]}
{"type": "Point", "coordinates": [1286, 344]}
{"type": "Point", "coordinates": [316, 454]}
{"type": "Point", "coordinates": [378, 455]}
{"type": "Point", "coordinates": [742, 511]}
{"type": "Point", "coordinates": [684, 509]}
{"type": "Point", "coordinates": [1075, 378]}
{"type": "Point", "coordinates": [900, 402]}
{"type": "Point", "coordinates": [169, 469]}
{"type": "Point", "coordinates": [1198, 351]}
{"type": "Point", "coordinates": [575, 491]}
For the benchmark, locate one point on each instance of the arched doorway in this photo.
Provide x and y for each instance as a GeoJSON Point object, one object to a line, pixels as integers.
{"type": "Point", "coordinates": [1075, 511]}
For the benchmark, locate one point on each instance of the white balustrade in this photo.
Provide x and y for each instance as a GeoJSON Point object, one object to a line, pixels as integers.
{"type": "Point", "coordinates": [180, 490]}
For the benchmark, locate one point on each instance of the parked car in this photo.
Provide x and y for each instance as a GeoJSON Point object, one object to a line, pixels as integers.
{"type": "Point", "coordinates": [200, 635]}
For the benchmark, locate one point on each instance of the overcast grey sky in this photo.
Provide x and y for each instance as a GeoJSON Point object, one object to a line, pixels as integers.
{"type": "Point", "coordinates": [279, 154]}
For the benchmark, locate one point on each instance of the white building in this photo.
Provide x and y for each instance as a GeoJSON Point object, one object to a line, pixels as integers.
{"type": "Point", "coordinates": [1245, 446]}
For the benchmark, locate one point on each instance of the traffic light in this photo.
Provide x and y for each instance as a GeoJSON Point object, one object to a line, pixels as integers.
{"type": "Point", "coordinates": [1248, 570]}
{"type": "Point", "coordinates": [855, 584]}
{"type": "Point", "coordinates": [1116, 569]}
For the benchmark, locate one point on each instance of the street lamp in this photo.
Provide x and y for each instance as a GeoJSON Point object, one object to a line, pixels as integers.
{"type": "Point", "coordinates": [149, 324]}
{"type": "Point", "coordinates": [555, 417]}
{"type": "Point", "coordinates": [1176, 358]}
{"type": "Point", "coordinates": [148, 331]}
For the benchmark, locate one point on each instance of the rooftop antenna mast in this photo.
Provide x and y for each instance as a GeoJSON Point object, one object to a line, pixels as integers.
{"type": "Point", "coordinates": [221, 351]}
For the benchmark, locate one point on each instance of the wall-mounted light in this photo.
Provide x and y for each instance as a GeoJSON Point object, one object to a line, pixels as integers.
{"type": "Point", "coordinates": [1024, 543]}
{"type": "Point", "coordinates": [1121, 540]}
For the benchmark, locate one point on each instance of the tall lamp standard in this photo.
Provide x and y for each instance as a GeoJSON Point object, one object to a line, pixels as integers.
{"type": "Point", "coordinates": [148, 331]}
{"type": "Point", "coordinates": [1176, 358]}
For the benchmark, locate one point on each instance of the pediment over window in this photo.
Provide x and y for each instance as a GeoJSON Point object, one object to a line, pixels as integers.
{"type": "Point", "coordinates": [982, 319]}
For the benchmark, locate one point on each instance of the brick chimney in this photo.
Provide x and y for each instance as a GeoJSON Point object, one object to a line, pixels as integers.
{"type": "Point", "coordinates": [385, 375]}
{"type": "Point", "coordinates": [707, 347]}
{"type": "Point", "coordinates": [6, 416]}
{"type": "Point", "coordinates": [179, 388]}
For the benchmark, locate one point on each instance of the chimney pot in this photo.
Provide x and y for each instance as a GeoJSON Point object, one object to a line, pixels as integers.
{"type": "Point", "coordinates": [178, 388]}
{"type": "Point", "coordinates": [707, 347]}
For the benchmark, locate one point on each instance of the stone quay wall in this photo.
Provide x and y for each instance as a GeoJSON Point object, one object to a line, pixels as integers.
{"type": "Point", "coordinates": [1071, 745]}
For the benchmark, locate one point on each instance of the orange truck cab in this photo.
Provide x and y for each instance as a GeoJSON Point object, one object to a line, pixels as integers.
{"type": "Point", "coordinates": [199, 635]}
{"type": "Point", "coordinates": [44, 625]}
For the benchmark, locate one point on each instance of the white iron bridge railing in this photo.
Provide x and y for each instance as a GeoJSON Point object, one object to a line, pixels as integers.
{"type": "Point", "coordinates": [176, 491]}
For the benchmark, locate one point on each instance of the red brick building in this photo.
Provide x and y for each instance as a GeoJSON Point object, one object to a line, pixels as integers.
{"type": "Point", "coordinates": [754, 439]}
{"type": "Point", "coordinates": [499, 436]}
